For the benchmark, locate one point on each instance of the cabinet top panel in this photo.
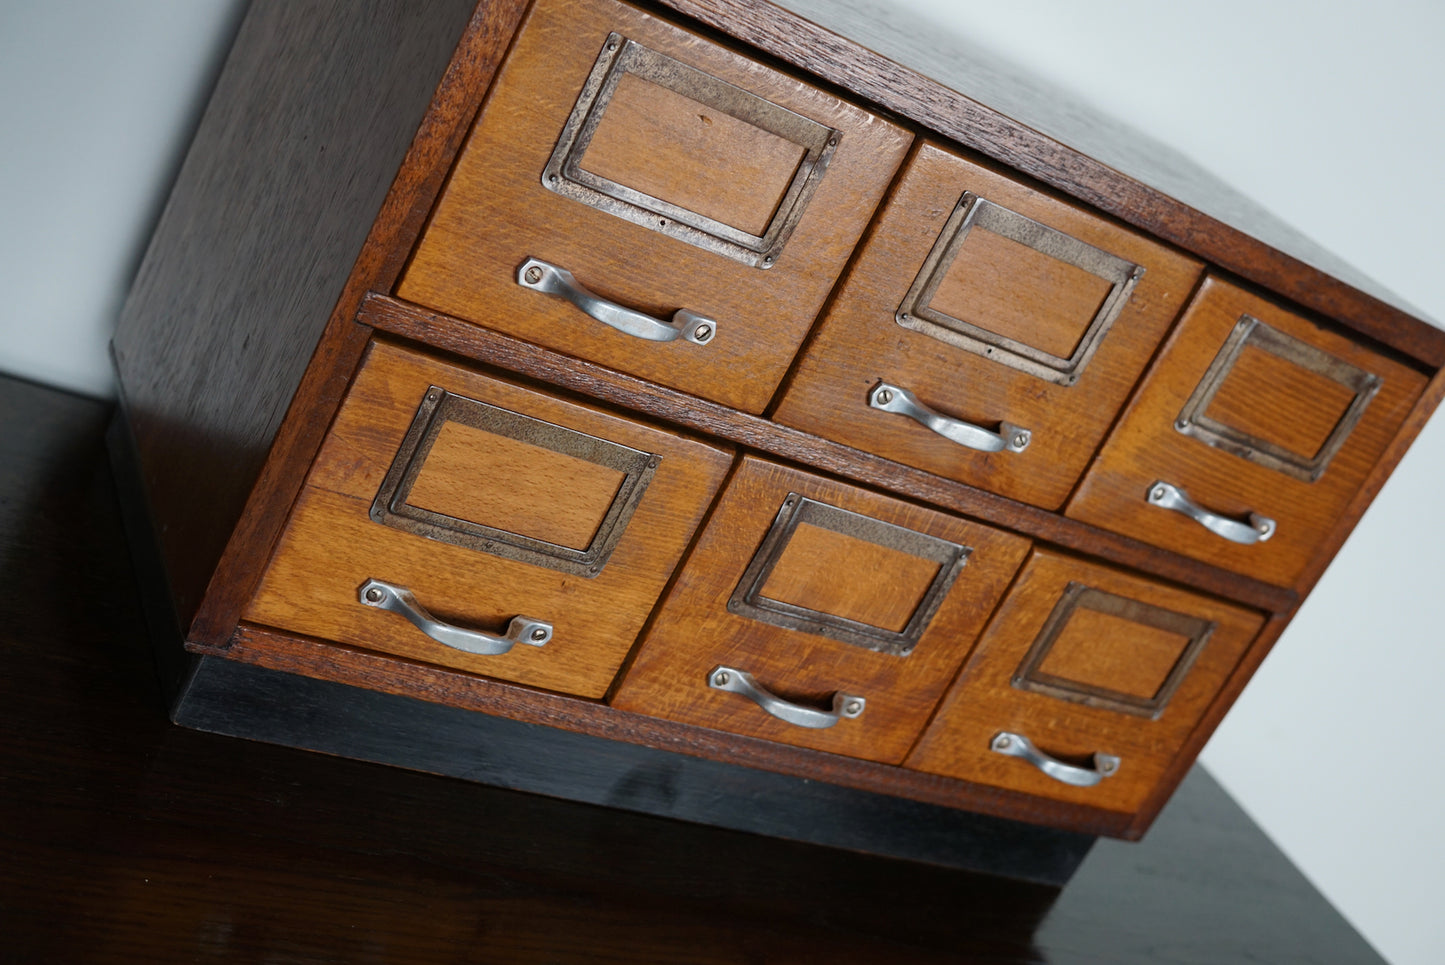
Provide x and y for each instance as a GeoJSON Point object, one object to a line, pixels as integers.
{"type": "Point", "coordinates": [915, 69]}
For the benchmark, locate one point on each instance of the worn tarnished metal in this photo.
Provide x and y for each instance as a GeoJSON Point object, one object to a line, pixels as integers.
{"type": "Point", "coordinates": [898, 400]}
{"type": "Point", "coordinates": [1253, 529]}
{"type": "Point", "coordinates": [401, 601]}
{"type": "Point", "coordinates": [732, 680]}
{"type": "Point", "coordinates": [565, 175]}
{"type": "Point", "coordinates": [748, 599]}
{"type": "Point", "coordinates": [916, 311]}
{"type": "Point", "coordinates": [1194, 419]}
{"type": "Point", "coordinates": [558, 282]}
{"type": "Point", "coordinates": [438, 407]}
{"type": "Point", "coordinates": [1100, 765]}
{"type": "Point", "coordinates": [1078, 596]}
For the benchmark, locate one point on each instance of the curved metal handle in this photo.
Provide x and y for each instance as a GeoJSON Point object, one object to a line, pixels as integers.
{"type": "Point", "coordinates": [741, 682]}
{"type": "Point", "coordinates": [892, 398]}
{"type": "Point", "coordinates": [1017, 745]}
{"type": "Point", "coordinates": [550, 280]}
{"type": "Point", "coordinates": [1257, 530]}
{"type": "Point", "coordinates": [398, 599]}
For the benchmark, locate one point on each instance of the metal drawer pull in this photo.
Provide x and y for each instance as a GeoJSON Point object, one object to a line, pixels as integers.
{"type": "Point", "coordinates": [398, 599]}
{"type": "Point", "coordinates": [1008, 438]}
{"type": "Point", "coordinates": [741, 682]}
{"type": "Point", "coordinates": [1257, 530]}
{"type": "Point", "coordinates": [1017, 745]}
{"type": "Point", "coordinates": [551, 280]}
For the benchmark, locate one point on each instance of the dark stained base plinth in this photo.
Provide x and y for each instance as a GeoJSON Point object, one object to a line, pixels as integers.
{"type": "Point", "coordinates": [226, 697]}
{"type": "Point", "coordinates": [126, 839]}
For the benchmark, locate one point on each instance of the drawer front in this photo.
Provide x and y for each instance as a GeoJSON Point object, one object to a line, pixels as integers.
{"type": "Point", "coordinates": [662, 173]}
{"type": "Point", "coordinates": [1020, 320]}
{"type": "Point", "coordinates": [1262, 420]}
{"type": "Point", "coordinates": [855, 607]}
{"type": "Point", "coordinates": [479, 501]}
{"type": "Point", "coordinates": [1082, 660]}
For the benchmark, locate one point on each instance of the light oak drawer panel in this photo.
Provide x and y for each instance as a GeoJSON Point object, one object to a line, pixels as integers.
{"type": "Point", "coordinates": [1083, 659]}
{"type": "Point", "coordinates": [1251, 410]}
{"type": "Point", "coordinates": [665, 173]}
{"type": "Point", "coordinates": [486, 501]}
{"type": "Point", "coordinates": [817, 588]}
{"type": "Point", "coordinates": [991, 303]}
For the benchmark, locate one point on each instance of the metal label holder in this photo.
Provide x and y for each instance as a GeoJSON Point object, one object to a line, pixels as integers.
{"type": "Point", "coordinates": [1077, 596]}
{"type": "Point", "coordinates": [748, 599]}
{"type": "Point", "coordinates": [1194, 419]}
{"type": "Point", "coordinates": [971, 212]}
{"type": "Point", "coordinates": [439, 407]}
{"type": "Point", "coordinates": [565, 175]}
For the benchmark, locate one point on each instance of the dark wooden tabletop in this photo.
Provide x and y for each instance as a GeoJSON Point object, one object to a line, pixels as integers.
{"type": "Point", "coordinates": [126, 839]}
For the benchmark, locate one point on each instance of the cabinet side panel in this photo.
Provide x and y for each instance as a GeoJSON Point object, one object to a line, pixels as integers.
{"type": "Point", "coordinates": [305, 131]}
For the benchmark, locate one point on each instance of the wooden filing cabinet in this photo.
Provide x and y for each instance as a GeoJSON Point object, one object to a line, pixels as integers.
{"type": "Point", "coordinates": [689, 378]}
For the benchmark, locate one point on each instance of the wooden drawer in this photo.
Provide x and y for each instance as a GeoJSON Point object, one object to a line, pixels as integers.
{"type": "Point", "coordinates": [827, 595]}
{"type": "Point", "coordinates": [991, 303]}
{"type": "Point", "coordinates": [486, 501]}
{"type": "Point", "coordinates": [1083, 659]}
{"type": "Point", "coordinates": [1253, 412]}
{"type": "Point", "coordinates": [664, 173]}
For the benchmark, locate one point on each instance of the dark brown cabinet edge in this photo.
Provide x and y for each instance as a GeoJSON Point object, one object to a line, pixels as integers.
{"type": "Point", "coordinates": [1204, 729]}
{"type": "Point", "coordinates": [384, 728]}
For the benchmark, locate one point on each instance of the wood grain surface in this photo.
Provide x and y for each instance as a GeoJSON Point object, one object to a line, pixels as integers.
{"type": "Point", "coordinates": [331, 546]}
{"type": "Point", "coordinates": [983, 701]}
{"type": "Point", "coordinates": [495, 213]}
{"type": "Point", "coordinates": [1020, 293]}
{"type": "Point", "coordinates": [695, 632]}
{"type": "Point", "coordinates": [816, 569]}
{"type": "Point", "coordinates": [550, 496]}
{"type": "Point", "coordinates": [1104, 651]}
{"type": "Point", "coordinates": [508, 354]}
{"type": "Point", "coordinates": [1271, 398]}
{"type": "Point", "coordinates": [669, 146]}
{"type": "Point", "coordinates": [1145, 447]}
{"type": "Point", "coordinates": [859, 343]}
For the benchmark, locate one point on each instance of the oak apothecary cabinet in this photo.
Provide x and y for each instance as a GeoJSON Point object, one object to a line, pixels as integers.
{"type": "Point", "coordinates": [688, 379]}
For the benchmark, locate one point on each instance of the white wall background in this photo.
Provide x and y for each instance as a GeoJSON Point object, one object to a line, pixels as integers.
{"type": "Point", "coordinates": [100, 99]}
{"type": "Point", "coordinates": [1331, 113]}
